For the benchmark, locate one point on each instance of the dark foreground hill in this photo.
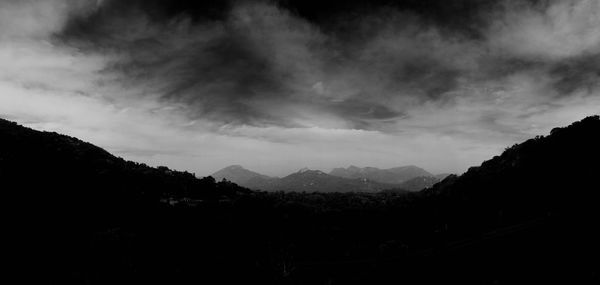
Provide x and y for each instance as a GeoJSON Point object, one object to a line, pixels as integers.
{"type": "Point", "coordinates": [61, 191]}
{"type": "Point", "coordinates": [81, 216]}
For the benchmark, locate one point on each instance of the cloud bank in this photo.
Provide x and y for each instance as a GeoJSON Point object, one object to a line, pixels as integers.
{"type": "Point", "coordinates": [278, 85]}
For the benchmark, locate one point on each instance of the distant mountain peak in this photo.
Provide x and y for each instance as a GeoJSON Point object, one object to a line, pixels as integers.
{"type": "Point", "coordinates": [235, 167]}
{"type": "Point", "coordinates": [238, 174]}
{"type": "Point", "coordinates": [306, 170]}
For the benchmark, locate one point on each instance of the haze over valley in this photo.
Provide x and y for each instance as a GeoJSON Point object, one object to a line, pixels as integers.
{"type": "Point", "coordinates": [350, 179]}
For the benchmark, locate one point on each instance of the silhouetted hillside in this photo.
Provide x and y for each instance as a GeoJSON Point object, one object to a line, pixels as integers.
{"type": "Point", "coordinates": [82, 216]}
{"type": "Point", "coordinates": [555, 175]}
{"type": "Point", "coordinates": [546, 171]}
{"type": "Point", "coordinates": [62, 190]}
{"type": "Point", "coordinates": [38, 160]}
{"type": "Point", "coordinates": [531, 211]}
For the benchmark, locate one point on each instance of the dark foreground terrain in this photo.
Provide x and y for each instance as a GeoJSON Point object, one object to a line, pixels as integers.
{"type": "Point", "coordinates": [78, 215]}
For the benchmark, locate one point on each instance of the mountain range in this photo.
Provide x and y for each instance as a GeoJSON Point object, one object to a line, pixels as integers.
{"type": "Point", "coordinates": [304, 180]}
{"type": "Point", "coordinates": [351, 179]}
{"type": "Point", "coordinates": [396, 175]}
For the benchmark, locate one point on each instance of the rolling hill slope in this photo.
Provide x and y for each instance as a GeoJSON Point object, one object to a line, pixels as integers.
{"type": "Point", "coordinates": [79, 215]}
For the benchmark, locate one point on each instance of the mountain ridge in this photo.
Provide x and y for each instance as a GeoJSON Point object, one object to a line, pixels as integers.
{"type": "Point", "coordinates": [368, 179]}
{"type": "Point", "coordinates": [239, 175]}
{"type": "Point", "coordinates": [394, 175]}
{"type": "Point", "coordinates": [303, 180]}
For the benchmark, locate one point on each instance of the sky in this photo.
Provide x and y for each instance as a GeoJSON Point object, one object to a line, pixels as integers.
{"type": "Point", "coordinates": [276, 86]}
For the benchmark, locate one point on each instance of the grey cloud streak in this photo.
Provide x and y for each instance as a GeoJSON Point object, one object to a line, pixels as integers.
{"type": "Point", "coordinates": [263, 65]}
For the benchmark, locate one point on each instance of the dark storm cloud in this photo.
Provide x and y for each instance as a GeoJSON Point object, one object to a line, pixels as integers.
{"type": "Point", "coordinates": [578, 74]}
{"type": "Point", "coordinates": [213, 66]}
{"type": "Point", "coordinates": [348, 64]}
{"type": "Point", "coordinates": [461, 14]}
